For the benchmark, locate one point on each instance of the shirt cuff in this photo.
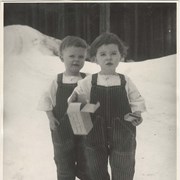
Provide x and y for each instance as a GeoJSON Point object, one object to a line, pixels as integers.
{"type": "Point", "coordinates": [44, 108]}
{"type": "Point", "coordinates": [141, 108]}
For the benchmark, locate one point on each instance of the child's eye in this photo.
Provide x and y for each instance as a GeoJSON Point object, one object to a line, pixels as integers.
{"type": "Point", "coordinates": [102, 54]}
{"type": "Point", "coordinates": [71, 56]}
{"type": "Point", "coordinates": [113, 53]}
{"type": "Point", "coordinates": [81, 57]}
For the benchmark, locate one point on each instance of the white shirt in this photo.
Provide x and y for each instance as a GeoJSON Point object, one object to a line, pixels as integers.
{"type": "Point", "coordinates": [136, 101]}
{"type": "Point", "coordinates": [48, 100]}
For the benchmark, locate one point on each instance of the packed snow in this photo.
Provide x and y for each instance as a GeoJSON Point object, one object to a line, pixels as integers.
{"type": "Point", "coordinates": [31, 62]}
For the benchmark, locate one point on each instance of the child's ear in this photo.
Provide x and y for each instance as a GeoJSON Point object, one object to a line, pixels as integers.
{"type": "Point", "coordinates": [61, 58]}
{"type": "Point", "coordinates": [95, 60]}
{"type": "Point", "coordinates": [122, 59]}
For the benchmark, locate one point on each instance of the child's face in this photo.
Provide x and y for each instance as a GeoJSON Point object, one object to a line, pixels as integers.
{"type": "Point", "coordinates": [73, 58]}
{"type": "Point", "coordinates": [108, 57]}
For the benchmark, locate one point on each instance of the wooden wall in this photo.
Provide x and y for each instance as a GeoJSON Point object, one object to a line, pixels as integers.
{"type": "Point", "coordinates": [149, 29]}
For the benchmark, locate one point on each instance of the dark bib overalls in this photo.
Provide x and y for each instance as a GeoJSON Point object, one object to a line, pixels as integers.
{"type": "Point", "coordinates": [67, 146]}
{"type": "Point", "coordinates": [111, 137]}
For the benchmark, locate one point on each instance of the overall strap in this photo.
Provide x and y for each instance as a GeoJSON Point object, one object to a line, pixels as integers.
{"type": "Point", "coordinates": [83, 75]}
{"type": "Point", "coordinates": [94, 79]}
{"type": "Point", "coordinates": [123, 81]}
{"type": "Point", "coordinates": [59, 78]}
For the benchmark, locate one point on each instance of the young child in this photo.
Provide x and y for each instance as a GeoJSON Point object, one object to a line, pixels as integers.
{"type": "Point", "coordinates": [113, 134]}
{"type": "Point", "coordinates": [67, 146]}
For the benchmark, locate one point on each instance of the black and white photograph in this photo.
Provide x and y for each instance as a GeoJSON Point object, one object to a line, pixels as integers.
{"type": "Point", "coordinates": [90, 90]}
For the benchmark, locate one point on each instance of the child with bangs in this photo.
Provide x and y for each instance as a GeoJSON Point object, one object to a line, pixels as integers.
{"type": "Point", "coordinates": [113, 135]}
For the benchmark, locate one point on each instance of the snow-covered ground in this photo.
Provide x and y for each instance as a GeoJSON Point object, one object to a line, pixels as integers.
{"type": "Point", "coordinates": [29, 66]}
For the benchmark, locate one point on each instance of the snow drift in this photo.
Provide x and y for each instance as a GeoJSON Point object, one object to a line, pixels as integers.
{"type": "Point", "coordinates": [29, 65]}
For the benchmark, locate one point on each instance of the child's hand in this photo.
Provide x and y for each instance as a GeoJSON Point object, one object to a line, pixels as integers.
{"type": "Point", "coordinates": [73, 97]}
{"type": "Point", "coordinates": [53, 123]}
{"type": "Point", "coordinates": [138, 121]}
{"type": "Point", "coordinates": [135, 118]}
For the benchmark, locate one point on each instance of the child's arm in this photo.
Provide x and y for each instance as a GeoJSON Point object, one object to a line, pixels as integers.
{"type": "Point", "coordinates": [136, 102]}
{"type": "Point", "coordinates": [48, 99]}
{"type": "Point", "coordinates": [82, 92]}
{"type": "Point", "coordinates": [75, 97]}
{"type": "Point", "coordinates": [47, 102]}
{"type": "Point", "coordinates": [53, 122]}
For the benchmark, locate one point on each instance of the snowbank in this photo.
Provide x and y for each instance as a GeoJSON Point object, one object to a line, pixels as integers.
{"type": "Point", "coordinates": [20, 39]}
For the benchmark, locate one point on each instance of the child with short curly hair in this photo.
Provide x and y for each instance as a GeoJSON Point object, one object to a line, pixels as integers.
{"type": "Point", "coordinates": [113, 134]}
{"type": "Point", "coordinates": [67, 146]}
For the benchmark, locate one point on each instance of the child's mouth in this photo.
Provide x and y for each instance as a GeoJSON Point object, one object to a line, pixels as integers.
{"type": "Point", "coordinates": [109, 64]}
{"type": "Point", "coordinates": [75, 64]}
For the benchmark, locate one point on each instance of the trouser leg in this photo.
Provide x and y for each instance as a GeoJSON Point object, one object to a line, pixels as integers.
{"type": "Point", "coordinates": [97, 163]}
{"type": "Point", "coordinates": [80, 158]}
{"type": "Point", "coordinates": [65, 162]}
{"type": "Point", "coordinates": [96, 152]}
{"type": "Point", "coordinates": [64, 157]}
{"type": "Point", "coordinates": [122, 165]}
{"type": "Point", "coordinates": [122, 151]}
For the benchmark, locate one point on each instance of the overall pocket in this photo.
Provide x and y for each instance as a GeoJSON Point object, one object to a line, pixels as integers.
{"type": "Point", "coordinates": [96, 135]}
{"type": "Point", "coordinates": [124, 135]}
{"type": "Point", "coordinates": [63, 133]}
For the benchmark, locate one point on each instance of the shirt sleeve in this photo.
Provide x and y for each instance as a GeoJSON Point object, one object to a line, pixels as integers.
{"type": "Point", "coordinates": [136, 101]}
{"type": "Point", "coordinates": [84, 87]}
{"type": "Point", "coordinates": [48, 99]}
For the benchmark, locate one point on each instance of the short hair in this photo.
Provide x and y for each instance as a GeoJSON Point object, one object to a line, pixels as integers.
{"type": "Point", "coordinates": [105, 39]}
{"type": "Point", "coordinates": [72, 41]}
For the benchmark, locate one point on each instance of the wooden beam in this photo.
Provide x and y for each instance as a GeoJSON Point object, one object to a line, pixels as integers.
{"type": "Point", "coordinates": [104, 17]}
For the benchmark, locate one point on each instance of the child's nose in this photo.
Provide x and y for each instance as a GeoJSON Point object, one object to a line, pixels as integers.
{"type": "Point", "coordinates": [109, 56]}
{"type": "Point", "coordinates": [76, 58]}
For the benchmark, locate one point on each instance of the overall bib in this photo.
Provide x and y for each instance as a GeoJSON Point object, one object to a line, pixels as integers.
{"type": "Point", "coordinates": [111, 137]}
{"type": "Point", "coordinates": [67, 146]}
